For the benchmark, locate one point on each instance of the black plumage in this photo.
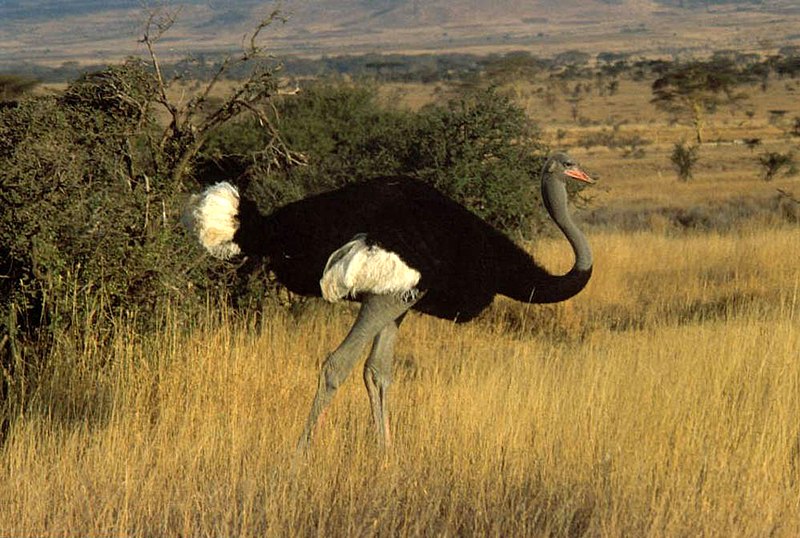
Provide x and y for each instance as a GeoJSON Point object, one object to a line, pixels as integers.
{"type": "Point", "coordinates": [451, 263]}
{"type": "Point", "coordinates": [464, 262]}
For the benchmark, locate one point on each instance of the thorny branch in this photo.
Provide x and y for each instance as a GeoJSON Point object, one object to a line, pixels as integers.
{"type": "Point", "coordinates": [163, 21]}
{"type": "Point", "coordinates": [190, 124]}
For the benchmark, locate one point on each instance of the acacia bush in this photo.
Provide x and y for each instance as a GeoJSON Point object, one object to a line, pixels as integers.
{"type": "Point", "coordinates": [91, 190]}
{"type": "Point", "coordinates": [90, 210]}
{"type": "Point", "coordinates": [89, 229]}
{"type": "Point", "coordinates": [483, 151]}
{"type": "Point", "coordinates": [480, 149]}
{"type": "Point", "coordinates": [772, 162]}
{"type": "Point", "coordinates": [343, 131]}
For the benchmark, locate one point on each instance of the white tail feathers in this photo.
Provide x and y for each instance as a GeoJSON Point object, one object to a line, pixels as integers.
{"type": "Point", "coordinates": [358, 268]}
{"type": "Point", "coordinates": [212, 217]}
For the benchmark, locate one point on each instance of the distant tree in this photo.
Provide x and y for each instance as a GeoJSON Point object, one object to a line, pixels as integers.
{"type": "Point", "coordinates": [574, 101]}
{"type": "Point", "coordinates": [751, 66]}
{"type": "Point", "coordinates": [611, 57]}
{"type": "Point", "coordinates": [513, 66]}
{"type": "Point", "coordinates": [572, 58]}
{"type": "Point", "coordinates": [787, 65]}
{"type": "Point", "coordinates": [777, 115]}
{"type": "Point", "coordinates": [683, 158]}
{"type": "Point", "coordinates": [759, 72]}
{"type": "Point", "coordinates": [773, 162]}
{"type": "Point", "coordinates": [387, 69]}
{"type": "Point", "coordinates": [14, 86]}
{"type": "Point", "coordinates": [698, 88]}
{"type": "Point", "coordinates": [752, 143]}
{"type": "Point", "coordinates": [796, 127]}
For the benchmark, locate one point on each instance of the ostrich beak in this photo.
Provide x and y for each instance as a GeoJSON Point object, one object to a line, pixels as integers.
{"type": "Point", "coordinates": [577, 173]}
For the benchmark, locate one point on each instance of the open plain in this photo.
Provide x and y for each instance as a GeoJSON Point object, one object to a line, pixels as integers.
{"type": "Point", "coordinates": [661, 401]}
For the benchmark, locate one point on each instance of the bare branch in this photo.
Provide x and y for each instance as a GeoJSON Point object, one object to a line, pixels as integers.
{"type": "Point", "coordinates": [276, 15]}
{"type": "Point", "coordinates": [249, 53]}
{"type": "Point", "coordinates": [198, 100]}
{"type": "Point", "coordinates": [190, 125]}
{"type": "Point", "coordinates": [159, 21]}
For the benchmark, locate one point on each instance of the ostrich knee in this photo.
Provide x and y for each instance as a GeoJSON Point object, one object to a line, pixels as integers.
{"type": "Point", "coordinates": [335, 370]}
{"type": "Point", "coordinates": [377, 383]}
{"type": "Point", "coordinates": [380, 379]}
{"type": "Point", "coordinates": [332, 375]}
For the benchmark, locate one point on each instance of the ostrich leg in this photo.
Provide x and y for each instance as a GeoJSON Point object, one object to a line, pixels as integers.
{"type": "Point", "coordinates": [378, 377]}
{"type": "Point", "coordinates": [377, 311]}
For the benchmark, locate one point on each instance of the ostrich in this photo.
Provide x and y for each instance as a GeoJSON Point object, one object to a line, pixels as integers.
{"type": "Point", "coordinates": [394, 244]}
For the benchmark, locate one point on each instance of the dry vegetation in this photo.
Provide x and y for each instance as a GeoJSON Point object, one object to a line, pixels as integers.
{"type": "Point", "coordinates": [662, 401]}
{"type": "Point", "coordinates": [638, 183]}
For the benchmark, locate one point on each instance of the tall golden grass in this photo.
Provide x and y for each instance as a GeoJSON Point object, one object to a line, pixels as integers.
{"type": "Point", "coordinates": [663, 401]}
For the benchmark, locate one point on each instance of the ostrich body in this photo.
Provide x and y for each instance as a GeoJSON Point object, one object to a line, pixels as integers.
{"type": "Point", "coordinates": [394, 244]}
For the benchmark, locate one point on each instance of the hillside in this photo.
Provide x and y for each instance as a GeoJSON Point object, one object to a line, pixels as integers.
{"type": "Point", "coordinates": [93, 31]}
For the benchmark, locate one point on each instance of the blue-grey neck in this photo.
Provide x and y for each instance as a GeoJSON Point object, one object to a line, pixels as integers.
{"type": "Point", "coordinates": [554, 195]}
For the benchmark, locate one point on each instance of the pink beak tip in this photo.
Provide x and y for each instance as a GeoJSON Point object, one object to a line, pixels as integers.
{"type": "Point", "coordinates": [579, 174]}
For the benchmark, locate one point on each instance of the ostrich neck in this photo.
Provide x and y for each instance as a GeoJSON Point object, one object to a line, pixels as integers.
{"type": "Point", "coordinates": [555, 196]}
{"type": "Point", "coordinates": [528, 282]}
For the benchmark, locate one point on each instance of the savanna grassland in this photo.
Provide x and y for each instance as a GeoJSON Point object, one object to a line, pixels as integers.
{"type": "Point", "coordinates": [661, 401]}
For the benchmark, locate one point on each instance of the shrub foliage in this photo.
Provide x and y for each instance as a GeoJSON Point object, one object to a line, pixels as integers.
{"type": "Point", "coordinates": [684, 157]}
{"type": "Point", "coordinates": [478, 148]}
{"type": "Point", "coordinates": [90, 206]}
{"type": "Point", "coordinates": [87, 231]}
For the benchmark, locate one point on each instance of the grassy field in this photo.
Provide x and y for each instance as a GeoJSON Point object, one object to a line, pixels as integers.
{"type": "Point", "coordinates": [661, 401]}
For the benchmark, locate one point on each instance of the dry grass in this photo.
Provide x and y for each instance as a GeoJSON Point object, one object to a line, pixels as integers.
{"type": "Point", "coordinates": [662, 401]}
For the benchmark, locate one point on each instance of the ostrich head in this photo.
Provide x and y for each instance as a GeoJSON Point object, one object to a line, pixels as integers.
{"type": "Point", "coordinates": [557, 170]}
{"type": "Point", "coordinates": [562, 167]}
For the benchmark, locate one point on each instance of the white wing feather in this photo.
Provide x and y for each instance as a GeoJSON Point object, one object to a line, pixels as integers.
{"type": "Point", "coordinates": [358, 268]}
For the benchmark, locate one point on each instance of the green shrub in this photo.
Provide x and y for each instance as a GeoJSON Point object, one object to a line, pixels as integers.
{"type": "Point", "coordinates": [683, 158]}
{"type": "Point", "coordinates": [480, 149]}
{"type": "Point", "coordinates": [345, 134]}
{"type": "Point", "coordinates": [89, 230]}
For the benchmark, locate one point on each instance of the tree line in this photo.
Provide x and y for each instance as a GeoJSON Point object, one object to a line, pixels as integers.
{"type": "Point", "coordinates": [445, 67]}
